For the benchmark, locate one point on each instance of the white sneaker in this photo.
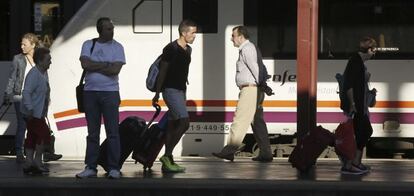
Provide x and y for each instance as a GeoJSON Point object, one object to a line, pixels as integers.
{"type": "Point", "coordinates": [87, 173]}
{"type": "Point", "coordinates": [114, 174]}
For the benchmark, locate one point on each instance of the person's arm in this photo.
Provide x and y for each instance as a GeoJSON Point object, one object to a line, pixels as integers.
{"type": "Point", "coordinates": [30, 84]}
{"type": "Point", "coordinates": [160, 80]}
{"type": "Point", "coordinates": [166, 58]}
{"type": "Point", "coordinates": [351, 79]}
{"type": "Point", "coordinates": [112, 69]}
{"type": "Point", "coordinates": [92, 66]}
{"type": "Point", "coordinates": [85, 58]}
{"type": "Point", "coordinates": [8, 93]}
{"type": "Point", "coordinates": [350, 95]}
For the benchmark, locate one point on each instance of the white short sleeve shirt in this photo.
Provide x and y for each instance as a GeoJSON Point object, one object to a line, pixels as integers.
{"type": "Point", "coordinates": [111, 51]}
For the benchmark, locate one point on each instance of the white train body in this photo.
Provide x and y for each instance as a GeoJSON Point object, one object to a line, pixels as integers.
{"type": "Point", "coordinates": [212, 93]}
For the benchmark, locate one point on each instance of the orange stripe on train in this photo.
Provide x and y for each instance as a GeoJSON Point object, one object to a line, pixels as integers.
{"type": "Point", "coordinates": [233, 103]}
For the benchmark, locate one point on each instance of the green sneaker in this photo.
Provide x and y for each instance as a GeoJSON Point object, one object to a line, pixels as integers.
{"type": "Point", "coordinates": [182, 169]}
{"type": "Point", "coordinates": [168, 165]}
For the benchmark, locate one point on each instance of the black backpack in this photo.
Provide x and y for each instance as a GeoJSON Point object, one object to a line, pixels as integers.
{"type": "Point", "coordinates": [263, 74]}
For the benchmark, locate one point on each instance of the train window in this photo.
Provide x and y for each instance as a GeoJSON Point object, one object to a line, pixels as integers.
{"type": "Point", "coordinates": [203, 12]}
{"type": "Point", "coordinates": [274, 21]}
{"type": "Point", "coordinates": [147, 17]}
{"type": "Point", "coordinates": [344, 22]}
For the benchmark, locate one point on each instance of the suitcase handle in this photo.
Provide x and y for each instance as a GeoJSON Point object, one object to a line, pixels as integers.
{"type": "Point", "coordinates": [157, 112]}
{"type": "Point", "coordinates": [7, 106]}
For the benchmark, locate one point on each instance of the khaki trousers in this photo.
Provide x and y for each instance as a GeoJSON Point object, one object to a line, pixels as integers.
{"type": "Point", "coordinates": [249, 112]}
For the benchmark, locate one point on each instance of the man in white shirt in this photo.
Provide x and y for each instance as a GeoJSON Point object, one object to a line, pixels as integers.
{"type": "Point", "coordinates": [249, 109]}
{"type": "Point", "coordinates": [101, 97]}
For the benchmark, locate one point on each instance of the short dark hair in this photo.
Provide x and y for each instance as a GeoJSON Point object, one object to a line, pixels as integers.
{"type": "Point", "coordinates": [99, 23]}
{"type": "Point", "coordinates": [185, 24]}
{"type": "Point", "coordinates": [242, 30]}
{"type": "Point", "coordinates": [366, 43]}
{"type": "Point", "coordinates": [39, 54]}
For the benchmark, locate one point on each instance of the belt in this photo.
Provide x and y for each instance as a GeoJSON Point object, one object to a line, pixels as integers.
{"type": "Point", "coordinates": [247, 85]}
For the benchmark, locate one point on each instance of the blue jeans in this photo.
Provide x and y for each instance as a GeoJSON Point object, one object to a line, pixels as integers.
{"type": "Point", "coordinates": [21, 128]}
{"type": "Point", "coordinates": [104, 104]}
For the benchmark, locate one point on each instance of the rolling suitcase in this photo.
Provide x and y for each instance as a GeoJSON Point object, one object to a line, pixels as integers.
{"type": "Point", "coordinates": [7, 143]}
{"type": "Point", "coordinates": [151, 142]}
{"type": "Point", "coordinates": [308, 149]}
{"type": "Point", "coordinates": [345, 145]}
{"type": "Point", "coordinates": [129, 129]}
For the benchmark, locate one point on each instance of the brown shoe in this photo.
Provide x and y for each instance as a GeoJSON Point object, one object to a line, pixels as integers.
{"type": "Point", "coordinates": [227, 152]}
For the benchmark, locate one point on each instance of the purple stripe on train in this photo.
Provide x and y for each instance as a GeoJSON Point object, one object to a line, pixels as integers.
{"type": "Point", "coordinates": [271, 117]}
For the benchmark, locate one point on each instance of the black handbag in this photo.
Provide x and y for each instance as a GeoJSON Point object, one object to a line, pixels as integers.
{"type": "Point", "coordinates": [79, 88]}
{"type": "Point", "coordinates": [79, 93]}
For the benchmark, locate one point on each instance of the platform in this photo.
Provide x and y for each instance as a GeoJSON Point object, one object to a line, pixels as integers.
{"type": "Point", "coordinates": [209, 177]}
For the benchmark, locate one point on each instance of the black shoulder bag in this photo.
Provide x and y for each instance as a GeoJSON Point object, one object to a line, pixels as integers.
{"type": "Point", "coordinates": [79, 88]}
{"type": "Point", "coordinates": [263, 75]}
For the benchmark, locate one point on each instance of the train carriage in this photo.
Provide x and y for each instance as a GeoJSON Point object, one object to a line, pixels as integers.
{"type": "Point", "coordinates": [144, 27]}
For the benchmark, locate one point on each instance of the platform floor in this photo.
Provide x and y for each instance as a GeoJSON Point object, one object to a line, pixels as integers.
{"type": "Point", "coordinates": [209, 176]}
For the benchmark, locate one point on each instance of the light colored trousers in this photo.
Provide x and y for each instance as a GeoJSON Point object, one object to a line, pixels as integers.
{"type": "Point", "coordinates": [249, 111]}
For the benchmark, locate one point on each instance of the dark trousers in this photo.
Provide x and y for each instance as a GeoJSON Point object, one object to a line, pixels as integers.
{"type": "Point", "coordinates": [21, 128]}
{"type": "Point", "coordinates": [104, 104]}
{"type": "Point", "coordinates": [363, 130]}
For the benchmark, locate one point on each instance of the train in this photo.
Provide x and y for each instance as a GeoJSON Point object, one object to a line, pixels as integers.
{"type": "Point", "coordinates": [144, 27]}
